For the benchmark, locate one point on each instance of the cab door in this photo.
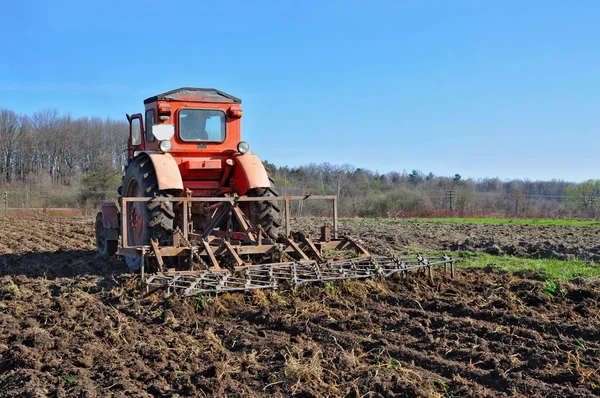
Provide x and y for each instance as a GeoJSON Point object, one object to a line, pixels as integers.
{"type": "Point", "coordinates": [136, 133]}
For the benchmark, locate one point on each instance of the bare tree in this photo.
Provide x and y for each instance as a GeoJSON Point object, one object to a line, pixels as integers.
{"type": "Point", "coordinates": [9, 134]}
{"type": "Point", "coordinates": [518, 197]}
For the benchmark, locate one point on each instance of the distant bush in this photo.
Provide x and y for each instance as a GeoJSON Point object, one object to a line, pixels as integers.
{"type": "Point", "coordinates": [62, 198]}
{"type": "Point", "coordinates": [99, 187]}
{"type": "Point", "coordinates": [397, 203]}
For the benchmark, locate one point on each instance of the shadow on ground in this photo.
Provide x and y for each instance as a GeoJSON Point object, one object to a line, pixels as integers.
{"type": "Point", "coordinates": [60, 264]}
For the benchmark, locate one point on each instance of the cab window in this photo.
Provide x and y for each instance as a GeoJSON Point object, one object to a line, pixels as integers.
{"type": "Point", "coordinates": [136, 131]}
{"type": "Point", "coordinates": [202, 125]}
{"type": "Point", "coordinates": [149, 123]}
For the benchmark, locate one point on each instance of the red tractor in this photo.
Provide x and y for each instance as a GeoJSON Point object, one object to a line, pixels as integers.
{"type": "Point", "coordinates": [189, 144]}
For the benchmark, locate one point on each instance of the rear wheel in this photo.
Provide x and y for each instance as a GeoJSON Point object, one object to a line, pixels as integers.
{"type": "Point", "coordinates": [267, 213]}
{"type": "Point", "coordinates": [146, 220]}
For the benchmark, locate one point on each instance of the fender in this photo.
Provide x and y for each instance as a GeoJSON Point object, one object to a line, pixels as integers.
{"type": "Point", "coordinates": [110, 216]}
{"type": "Point", "coordinates": [167, 171]}
{"type": "Point", "coordinates": [248, 173]}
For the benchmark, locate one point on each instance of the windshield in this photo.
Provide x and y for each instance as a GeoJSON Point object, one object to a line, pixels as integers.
{"type": "Point", "coordinates": [202, 125]}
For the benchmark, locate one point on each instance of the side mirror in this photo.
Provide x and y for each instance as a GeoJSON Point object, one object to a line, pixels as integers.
{"type": "Point", "coordinates": [163, 132]}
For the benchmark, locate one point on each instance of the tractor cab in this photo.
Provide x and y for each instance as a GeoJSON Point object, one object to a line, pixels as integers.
{"type": "Point", "coordinates": [196, 133]}
{"type": "Point", "coordinates": [187, 122]}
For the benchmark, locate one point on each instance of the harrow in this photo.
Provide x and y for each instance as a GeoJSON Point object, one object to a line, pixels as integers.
{"type": "Point", "coordinates": [270, 276]}
{"type": "Point", "coordinates": [214, 261]}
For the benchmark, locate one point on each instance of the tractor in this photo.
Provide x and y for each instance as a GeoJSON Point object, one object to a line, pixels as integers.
{"type": "Point", "coordinates": [188, 143]}
{"type": "Point", "coordinates": [198, 212]}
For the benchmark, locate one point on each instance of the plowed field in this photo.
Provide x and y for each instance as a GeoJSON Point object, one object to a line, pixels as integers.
{"type": "Point", "coordinates": [75, 324]}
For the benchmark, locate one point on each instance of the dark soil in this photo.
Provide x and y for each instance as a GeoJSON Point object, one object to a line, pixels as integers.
{"type": "Point", "coordinates": [75, 324]}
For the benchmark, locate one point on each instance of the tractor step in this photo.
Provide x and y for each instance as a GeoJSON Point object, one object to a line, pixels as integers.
{"type": "Point", "coordinates": [271, 276]}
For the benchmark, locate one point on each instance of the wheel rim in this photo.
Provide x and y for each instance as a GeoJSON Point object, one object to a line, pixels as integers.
{"type": "Point", "coordinates": [135, 218]}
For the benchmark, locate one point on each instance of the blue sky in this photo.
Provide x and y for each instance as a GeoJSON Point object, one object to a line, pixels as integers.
{"type": "Point", "coordinates": [480, 88]}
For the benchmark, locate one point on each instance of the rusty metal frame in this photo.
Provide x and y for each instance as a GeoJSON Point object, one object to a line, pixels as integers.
{"type": "Point", "coordinates": [231, 200]}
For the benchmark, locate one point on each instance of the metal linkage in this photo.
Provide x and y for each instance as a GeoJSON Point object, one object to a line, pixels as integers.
{"type": "Point", "coordinates": [270, 276]}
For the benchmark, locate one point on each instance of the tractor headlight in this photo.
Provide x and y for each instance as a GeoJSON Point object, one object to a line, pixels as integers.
{"type": "Point", "coordinates": [165, 146]}
{"type": "Point", "coordinates": [243, 147]}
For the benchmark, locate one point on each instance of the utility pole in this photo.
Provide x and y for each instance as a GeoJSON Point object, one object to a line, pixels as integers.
{"type": "Point", "coordinates": [450, 194]}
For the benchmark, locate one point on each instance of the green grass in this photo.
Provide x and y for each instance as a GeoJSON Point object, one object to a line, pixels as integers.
{"type": "Point", "coordinates": [495, 221]}
{"type": "Point", "coordinates": [543, 269]}
{"type": "Point", "coordinates": [69, 379]}
{"type": "Point", "coordinates": [553, 289]}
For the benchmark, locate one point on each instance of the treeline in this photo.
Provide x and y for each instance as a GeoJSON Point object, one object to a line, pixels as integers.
{"type": "Point", "coordinates": [366, 193]}
{"type": "Point", "coordinates": [53, 160]}
{"type": "Point", "coordinates": [50, 148]}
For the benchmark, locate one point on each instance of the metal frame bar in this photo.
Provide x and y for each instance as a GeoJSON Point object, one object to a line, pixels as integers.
{"type": "Point", "coordinates": [231, 199]}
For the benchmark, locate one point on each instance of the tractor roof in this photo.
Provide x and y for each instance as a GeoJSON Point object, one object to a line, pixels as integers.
{"type": "Point", "coordinates": [195, 95]}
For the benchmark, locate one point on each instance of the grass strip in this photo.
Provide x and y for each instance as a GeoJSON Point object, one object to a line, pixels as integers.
{"type": "Point", "coordinates": [542, 269]}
